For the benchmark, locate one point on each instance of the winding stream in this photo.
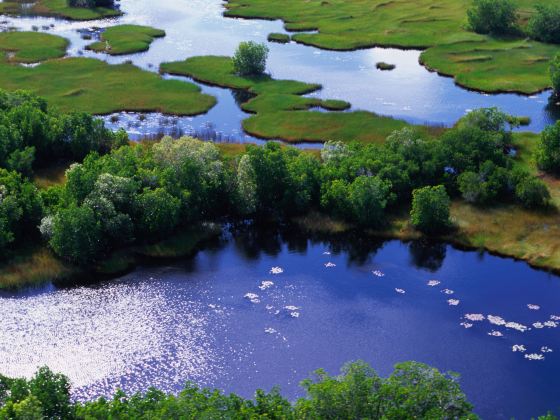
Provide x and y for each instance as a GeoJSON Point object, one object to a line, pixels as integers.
{"type": "Point", "coordinates": [197, 27]}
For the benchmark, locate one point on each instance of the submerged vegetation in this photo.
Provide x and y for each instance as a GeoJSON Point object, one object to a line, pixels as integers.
{"type": "Point", "coordinates": [413, 390]}
{"type": "Point", "coordinates": [126, 39]}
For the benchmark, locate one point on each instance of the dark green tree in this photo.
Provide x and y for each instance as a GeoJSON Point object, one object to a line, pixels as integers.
{"type": "Point", "coordinates": [544, 25]}
{"type": "Point", "coordinates": [250, 59]}
{"type": "Point", "coordinates": [496, 17]}
{"type": "Point", "coordinates": [430, 209]}
{"type": "Point", "coordinates": [548, 149]}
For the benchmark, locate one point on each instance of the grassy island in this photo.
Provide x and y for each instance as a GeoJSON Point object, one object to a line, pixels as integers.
{"type": "Point", "coordinates": [278, 37]}
{"type": "Point", "coordinates": [281, 112]}
{"type": "Point", "coordinates": [57, 8]}
{"type": "Point", "coordinates": [126, 39]}
{"type": "Point", "coordinates": [90, 85]}
{"type": "Point", "coordinates": [481, 62]}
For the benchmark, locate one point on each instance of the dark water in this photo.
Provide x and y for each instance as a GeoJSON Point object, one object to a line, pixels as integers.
{"type": "Point", "coordinates": [193, 320]}
{"type": "Point", "coordinates": [197, 27]}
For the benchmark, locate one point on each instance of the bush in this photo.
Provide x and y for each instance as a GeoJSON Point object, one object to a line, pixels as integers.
{"type": "Point", "coordinates": [368, 197]}
{"type": "Point", "coordinates": [544, 25]}
{"type": "Point", "coordinates": [250, 59]}
{"type": "Point", "coordinates": [532, 193]}
{"type": "Point", "coordinates": [555, 75]}
{"type": "Point", "coordinates": [495, 17]}
{"type": "Point", "coordinates": [430, 209]}
{"type": "Point", "coordinates": [548, 149]}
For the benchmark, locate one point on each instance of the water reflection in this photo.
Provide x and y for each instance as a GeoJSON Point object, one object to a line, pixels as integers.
{"type": "Point", "coordinates": [312, 301]}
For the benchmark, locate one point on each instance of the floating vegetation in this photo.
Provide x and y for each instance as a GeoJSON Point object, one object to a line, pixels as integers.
{"type": "Point", "coordinates": [453, 302]}
{"type": "Point", "coordinates": [518, 348]}
{"type": "Point", "coordinates": [555, 317]}
{"type": "Point", "coordinates": [495, 333]}
{"type": "Point", "coordinates": [496, 320]}
{"type": "Point", "coordinates": [545, 349]}
{"type": "Point", "coordinates": [538, 325]}
{"type": "Point", "coordinates": [466, 324]}
{"type": "Point", "coordinates": [326, 253]}
{"type": "Point", "coordinates": [270, 330]}
{"type": "Point", "coordinates": [267, 284]}
{"type": "Point", "coordinates": [475, 317]}
{"type": "Point", "coordinates": [401, 291]}
{"type": "Point", "coordinates": [447, 291]}
{"type": "Point", "coordinates": [378, 273]}
{"type": "Point", "coordinates": [292, 308]}
{"type": "Point", "coordinates": [276, 270]}
{"type": "Point", "coordinates": [534, 356]}
{"type": "Point", "coordinates": [533, 307]}
{"type": "Point", "coordinates": [330, 265]}
{"type": "Point", "coordinates": [551, 324]}
{"type": "Point", "coordinates": [433, 283]}
{"type": "Point", "coordinates": [253, 297]}
{"type": "Point", "coordinates": [516, 326]}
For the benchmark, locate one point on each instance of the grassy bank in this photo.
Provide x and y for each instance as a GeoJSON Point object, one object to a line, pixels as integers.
{"type": "Point", "coordinates": [90, 85]}
{"type": "Point", "coordinates": [508, 230]}
{"type": "Point", "coordinates": [56, 8]}
{"type": "Point", "coordinates": [38, 264]}
{"type": "Point", "coordinates": [32, 47]}
{"type": "Point", "coordinates": [476, 61]}
{"type": "Point", "coordinates": [281, 112]}
{"type": "Point", "coordinates": [126, 39]}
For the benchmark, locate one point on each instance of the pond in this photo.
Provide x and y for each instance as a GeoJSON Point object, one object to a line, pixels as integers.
{"type": "Point", "coordinates": [258, 308]}
{"type": "Point", "coordinates": [197, 27]}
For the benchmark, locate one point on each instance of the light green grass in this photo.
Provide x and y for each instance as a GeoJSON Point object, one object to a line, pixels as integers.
{"type": "Point", "coordinates": [280, 112]}
{"type": "Point", "coordinates": [58, 8]}
{"type": "Point", "coordinates": [126, 39]}
{"type": "Point", "coordinates": [279, 38]}
{"type": "Point", "coordinates": [353, 24]}
{"type": "Point", "coordinates": [31, 47]}
{"type": "Point", "coordinates": [90, 85]}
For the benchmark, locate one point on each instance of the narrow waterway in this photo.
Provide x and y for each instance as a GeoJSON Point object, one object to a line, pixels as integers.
{"type": "Point", "coordinates": [197, 27]}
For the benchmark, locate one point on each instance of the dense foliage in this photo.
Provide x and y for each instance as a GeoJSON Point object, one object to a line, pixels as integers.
{"type": "Point", "coordinates": [548, 149]}
{"type": "Point", "coordinates": [495, 17]}
{"type": "Point", "coordinates": [32, 133]}
{"type": "Point", "coordinates": [143, 193]}
{"type": "Point", "coordinates": [544, 25]}
{"type": "Point", "coordinates": [250, 59]}
{"type": "Point", "coordinates": [21, 208]}
{"type": "Point", "coordinates": [555, 75]}
{"type": "Point", "coordinates": [413, 390]}
{"type": "Point", "coordinates": [430, 209]}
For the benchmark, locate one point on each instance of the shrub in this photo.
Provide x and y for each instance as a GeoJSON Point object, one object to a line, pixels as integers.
{"type": "Point", "coordinates": [430, 209]}
{"type": "Point", "coordinates": [555, 75]}
{"type": "Point", "coordinates": [545, 23]}
{"type": "Point", "coordinates": [532, 192]}
{"type": "Point", "coordinates": [250, 59]}
{"type": "Point", "coordinates": [368, 198]}
{"type": "Point", "coordinates": [548, 149]}
{"type": "Point", "coordinates": [495, 17]}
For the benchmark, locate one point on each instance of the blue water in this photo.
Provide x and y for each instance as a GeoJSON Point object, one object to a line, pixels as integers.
{"type": "Point", "coordinates": [191, 320]}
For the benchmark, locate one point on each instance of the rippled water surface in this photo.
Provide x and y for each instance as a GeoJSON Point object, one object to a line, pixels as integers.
{"type": "Point", "coordinates": [197, 27]}
{"type": "Point", "coordinates": [265, 309]}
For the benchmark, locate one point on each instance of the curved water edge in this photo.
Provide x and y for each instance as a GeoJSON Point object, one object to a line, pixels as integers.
{"type": "Point", "coordinates": [263, 307]}
{"type": "Point", "coordinates": [196, 27]}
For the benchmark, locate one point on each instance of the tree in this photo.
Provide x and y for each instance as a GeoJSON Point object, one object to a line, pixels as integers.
{"type": "Point", "coordinates": [368, 197]}
{"type": "Point", "coordinates": [246, 187]}
{"type": "Point", "coordinates": [75, 234]}
{"type": "Point", "coordinates": [555, 75]}
{"type": "Point", "coordinates": [496, 17]}
{"type": "Point", "coordinates": [158, 213]}
{"type": "Point", "coordinates": [532, 192]}
{"type": "Point", "coordinates": [250, 59]}
{"type": "Point", "coordinates": [544, 25]}
{"type": "Point", "coordinates": [430, 209]}
{"type": "Point", "coordinates": [548, 149]}
{"type": "Point", "coordinates": [52, 390]}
